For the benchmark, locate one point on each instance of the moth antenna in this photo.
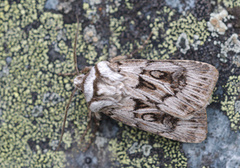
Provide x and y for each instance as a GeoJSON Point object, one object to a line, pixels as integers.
{"type": "Point", "coordinates": [75, 46]}
{"type": "Point", "coordinates": [75, 89]}
{"type": "Point", "coordinates": [141, 47]}
{"type": "Point", "coordinates": [74, 54]}
{"type": "Point", "coordinates": [70, 74]}
{"type": "Point", "coordinates": [65, 117]}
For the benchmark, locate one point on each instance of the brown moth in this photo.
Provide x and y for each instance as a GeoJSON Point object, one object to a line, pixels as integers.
{"type": "Point", "coordinates": [164, 97]}
{"type": "Point", "coordinates": [167, 98]}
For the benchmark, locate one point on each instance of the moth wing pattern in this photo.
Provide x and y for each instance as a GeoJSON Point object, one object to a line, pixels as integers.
{"type": "Point", "coordinates": [192, 130]}
{"type": "Point", "coordinates": [168, 98]}
{"type": "Point", "coordinates": [177, 87]}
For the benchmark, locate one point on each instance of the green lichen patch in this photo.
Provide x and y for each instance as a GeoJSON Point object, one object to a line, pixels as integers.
{"type": "Point", "coordinates": [33, 95]}
{"type": "Point", "coordinates": [163, 41]}
{"type": "Point", "coordinates": [189, 25]}
{"type": "Point", "coordinates": [230, 104]}
{"type": "Point", "coordinates": [230, 3]}
{"type": "Point", "coordinates": [136, 148]}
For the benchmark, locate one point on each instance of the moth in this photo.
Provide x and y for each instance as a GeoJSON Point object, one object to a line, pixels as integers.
{"type": "Point", "coordinates": [164, 97]}
{"type": "Point", "coordinates": [167, 98]}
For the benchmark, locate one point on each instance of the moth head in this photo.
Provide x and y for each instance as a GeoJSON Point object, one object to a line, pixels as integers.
{"type": "Point", "coordinates": [78, 81]}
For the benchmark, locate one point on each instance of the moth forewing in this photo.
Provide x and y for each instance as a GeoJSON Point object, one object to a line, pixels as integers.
{"type": "Point", "coordinates": [163, 97]}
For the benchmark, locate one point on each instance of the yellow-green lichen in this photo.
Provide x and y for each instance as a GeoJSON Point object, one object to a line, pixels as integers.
{"type": "Point", "coordinates": [129, 5]}
{"type": "Point", "coordinates": [230, 3]}
{"type": "Point", "coordinates": [33, 95]}
{"type": "Point", "coordinates": [231, 101]}
{"type": "Point", "coordinates": [117, 27]}
{"type": "Point", "coordinates": [91, 8]}
{"type": "Point", "coordinates": [166, 39]}
{"type": "Point", "coordinates": [114, 6]}
{"type": "Point", "coordinates": [186, 24]}
{"type": "Point", "coordinates": [134, 149]}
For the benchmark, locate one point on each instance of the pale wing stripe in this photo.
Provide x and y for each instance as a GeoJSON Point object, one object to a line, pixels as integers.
{"type": "Point", "coordinates": [158, 83]}
{"type": "Point", "coordinates": [88, 85]}
{"type": "Point", "coordinates": [106, 72]}
{"type": "Point", "coordinates": [156, 99]}
{"type": "Point", "coordinates": [171, 110]}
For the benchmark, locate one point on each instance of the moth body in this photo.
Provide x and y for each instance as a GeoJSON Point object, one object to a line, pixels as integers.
{"type": "Point", "coordinates": [168, 98]}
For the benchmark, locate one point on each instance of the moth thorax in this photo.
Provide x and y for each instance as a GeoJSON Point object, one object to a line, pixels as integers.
{"type": "Point", "coordinates": [78, 81]}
